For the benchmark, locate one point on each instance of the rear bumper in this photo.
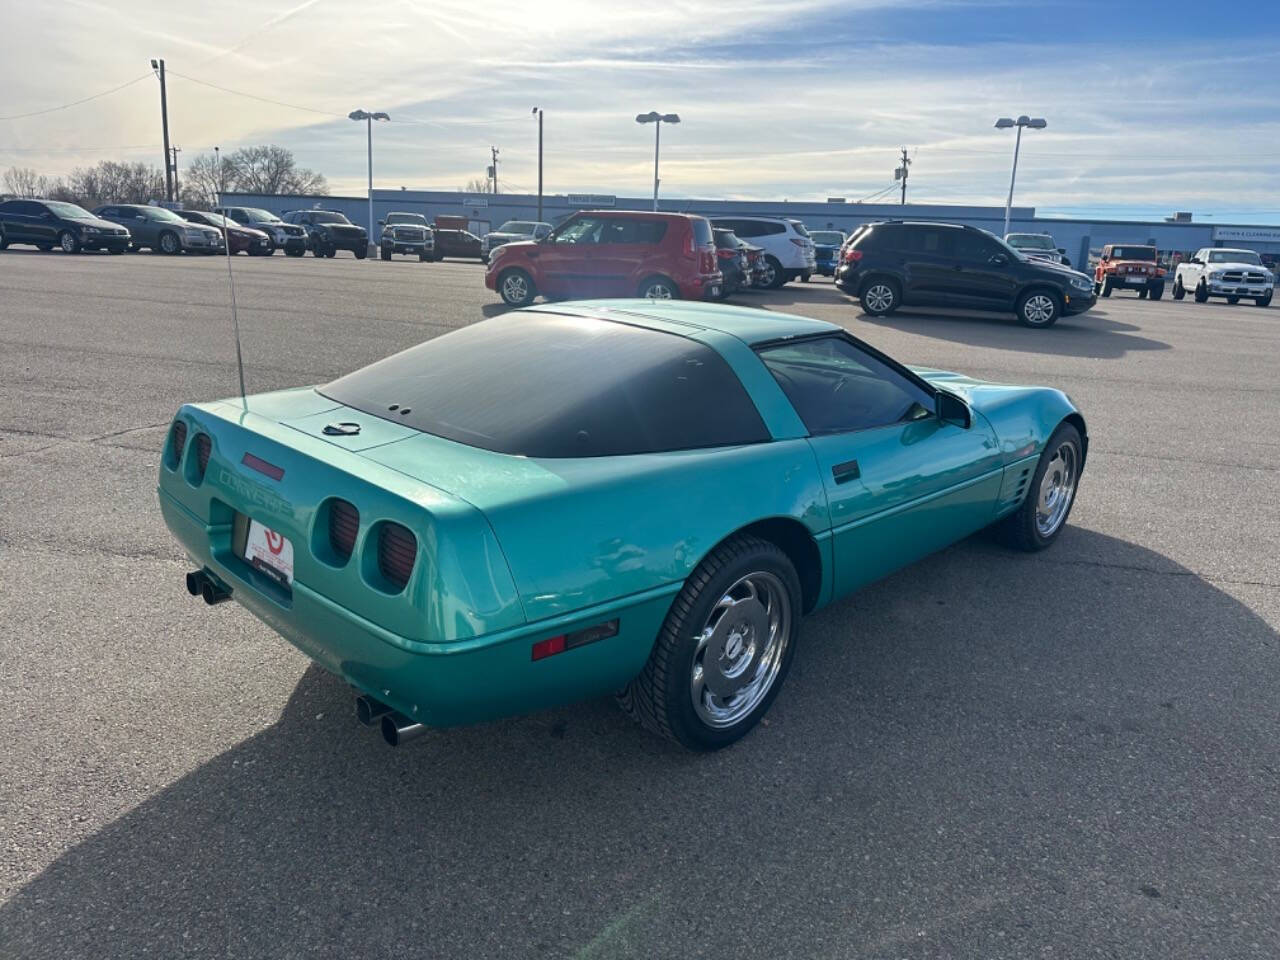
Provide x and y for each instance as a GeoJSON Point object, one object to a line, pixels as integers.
{"type": "Point", "coordinates": [701, 287]}
{"type": "Point", "coordinates": [441, 684]}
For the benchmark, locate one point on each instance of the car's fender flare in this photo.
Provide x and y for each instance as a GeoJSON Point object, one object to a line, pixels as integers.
{"type": "Point", "coordinates": [812, 562]}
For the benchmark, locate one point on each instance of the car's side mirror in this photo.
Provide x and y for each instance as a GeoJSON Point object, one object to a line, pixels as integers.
{"type": "Point", "coordinates": [1062, 250]}
{"type": "Point", "coordinates": [1195, 260]}
{"type": "Point", "coordinates": [951, 409]}
{"type": "Point", "coordinates": [998, 260]}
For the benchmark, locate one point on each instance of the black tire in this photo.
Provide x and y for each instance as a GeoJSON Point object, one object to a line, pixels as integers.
{"type": "Point", "coordinates": [1021, 529]}
{"type": "Point", "coordinates": [294, 251]}
{"type": "Point", "coordinates": [778, 276]}
{"type": "Point", "coordinates": [115, 251]}
{"type": "Point", "coordinates": [422, 257]}
{"type": "Point", "coordinates": [1233, 300]}
{"type": "Point", "coordinates": [4, 244]}
{"type": "Point", "coordinates": [360, 252]}
{"type": "Point", "coordinates": [516, 288]}
{"type": "Point", "coordinates": [1106, 289]}
{"type": "Point", "coordinates": [1178, 291]}
{"type": "Point", "coordinates": [1142, 294]}
{"type": "Point", "coordinates": [319, 250]}
{"type": "Point", "coordinates": [658, 287]}
{"type": "Point", "coordinates": [1202, 293]}
{"type": "Point", "coordinates": [1039, 308]}
{"type": "Point", "coordinates": [386, 254]}
{"type": "Point", "coordinates": [170, 245]}
{"type": "Point", "coordinates": [880, 296]}
{"type": "Point", "coordinates": [69, 242]}
{"type": "Point", "coordinates": [660, 698]}
{"type": "Point", "coordinates": [271, 246]}
{"type": "Point", "coordinates": [1157, 291]}
{"type": "Point", "coordinates": [1262, 301]}
{"type": "Point", "coordinates": [804, 277]}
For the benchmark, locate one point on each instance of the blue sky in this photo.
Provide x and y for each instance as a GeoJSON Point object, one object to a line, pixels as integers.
{"type": "Point", "coordinates": [1151, 108]}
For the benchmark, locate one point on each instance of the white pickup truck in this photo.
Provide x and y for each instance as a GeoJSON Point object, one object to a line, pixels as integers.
{"type": "Point", "coordinates": [1221, 272]}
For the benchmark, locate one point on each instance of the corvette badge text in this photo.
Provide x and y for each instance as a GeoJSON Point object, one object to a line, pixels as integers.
{"type": "Point", "coordinates": [255, 493]}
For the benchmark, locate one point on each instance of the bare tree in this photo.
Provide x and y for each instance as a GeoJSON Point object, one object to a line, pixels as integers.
{"type": "Point", "coordinates": [25, 182]}
{"type": "Point", "coordinates": [205, 179]}
{"type": "Point", "coordinates": [478, 185]}
{"type": "Point", "coordinates": [271, 169]}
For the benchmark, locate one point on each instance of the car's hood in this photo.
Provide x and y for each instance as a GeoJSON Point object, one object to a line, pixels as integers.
{"type": "Point", "coordinates": [521, 245]}
{"type": "Point", "coordinates": [252, 233]}
{"type": "Point", "coordinates": [499, 235]}
{"type": "Point", "coordinates": [1056, 268]}
{"type": "Point", "coordinates": [1236, 265]}
{"type": "Point", "coordinates": [100, 223]}
{"type": "Point", "coordinates": [979, 394]}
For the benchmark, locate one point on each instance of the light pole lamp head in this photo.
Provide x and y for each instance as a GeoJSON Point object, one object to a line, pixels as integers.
{"type": "Point", "coordinates": [357, 115]}
{"type": "Point", "coordinates": [155, 64]}
{"type": "Point", "coordinates": [381, 116]}
{"type": "Point", "coordinates": [1037, 123]}
{"type": "Point", "coordinates": [671, 118]}
{"type": "Point", "coordinates": [651, 117]}
{"type": "Point", "coordinates": [1004, 123]}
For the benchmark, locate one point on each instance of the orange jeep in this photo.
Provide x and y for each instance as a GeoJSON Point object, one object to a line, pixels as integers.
{"type": "Point", "coordinates": [1129, 266]}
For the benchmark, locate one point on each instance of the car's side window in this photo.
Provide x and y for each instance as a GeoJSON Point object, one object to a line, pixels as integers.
{"type": "Point", "coordinates": [582, 230]}
{"type": "Point", "coordinates": [936, 242]}
{"type": "Point", "coordinates": [633, 231]}
{"type": "Point", "coordinates": [836, 387]}
{"type": "Point", "coordinates": [771, 229]}
{"type": "Point", "coordinates": [973, 247]}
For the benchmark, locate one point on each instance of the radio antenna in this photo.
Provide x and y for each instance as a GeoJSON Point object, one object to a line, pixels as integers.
{"type": "Point", "coordinates": [231, 279]}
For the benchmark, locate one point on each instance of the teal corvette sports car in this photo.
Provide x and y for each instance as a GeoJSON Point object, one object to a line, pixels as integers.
{"type": "Point", "coordinates": [583, 498]}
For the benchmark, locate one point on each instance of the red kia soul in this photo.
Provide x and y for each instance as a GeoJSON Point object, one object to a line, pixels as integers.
{"type": "Point", "coordinates": [611, 253]}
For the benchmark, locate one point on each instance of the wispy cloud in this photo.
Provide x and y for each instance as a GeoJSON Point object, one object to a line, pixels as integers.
{"type": "Point", "coordinates": [799, 100]}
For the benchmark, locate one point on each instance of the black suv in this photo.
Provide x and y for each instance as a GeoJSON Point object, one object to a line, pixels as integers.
{"type": "Point", "coordinates": [329, 231]}
{"type": "Point", "coordinates": [887, 265]}
{"type": "Point", "coordinates": [52, 223]}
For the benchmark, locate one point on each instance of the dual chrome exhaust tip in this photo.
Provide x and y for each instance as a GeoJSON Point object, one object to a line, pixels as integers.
{"type": "Point", "coordinates": [201, 584]}
{"type": "Point", "coordinates": [396, 727]}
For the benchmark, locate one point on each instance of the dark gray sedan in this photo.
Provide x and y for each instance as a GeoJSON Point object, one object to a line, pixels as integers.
{"type": "Point", "coordinates": [161, 229]}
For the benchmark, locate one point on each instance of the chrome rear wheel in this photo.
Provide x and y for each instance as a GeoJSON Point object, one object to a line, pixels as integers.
{"type": "Point", "coordinates": [740, 649]}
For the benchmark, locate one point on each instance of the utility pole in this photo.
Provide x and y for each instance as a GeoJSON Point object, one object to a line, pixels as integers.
{"type": "Point", "coordinates": [174, 151]}
{"type": "Point", "coordinates": [538, 111]}
{"type": "Point", "coordinates": [158, 65]}
{"type": "Point", "coordinates": [493, 170]}
{"type": "Point", "coordinates": [901, 174]}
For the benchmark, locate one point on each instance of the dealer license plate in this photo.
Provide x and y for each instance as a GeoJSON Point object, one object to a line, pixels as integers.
{"type": "Point", "coordinates": [1135, 279]}
{"type": "Point", "coordinates": [715, 290]}
{"type": "Point", "coordinates": [269, 552]}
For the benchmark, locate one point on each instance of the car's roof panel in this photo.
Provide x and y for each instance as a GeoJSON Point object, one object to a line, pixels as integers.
{"type": "Point", "coordinates": [747, 324]}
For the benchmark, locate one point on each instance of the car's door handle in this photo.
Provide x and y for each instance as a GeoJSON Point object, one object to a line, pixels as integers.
{"type": "Point", "coordinates": [844, 472]}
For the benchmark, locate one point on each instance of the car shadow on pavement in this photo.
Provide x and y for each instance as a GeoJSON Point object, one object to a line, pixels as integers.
{"type": "Point", "coordinates": [1075, 758]}
{"type": "Point", "coordinates": [1092, 334]}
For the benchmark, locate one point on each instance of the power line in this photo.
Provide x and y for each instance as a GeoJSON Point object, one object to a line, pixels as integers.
{"type": "Point", "coordinates": [254, 96]}
{"type": "Point", "coordinates": [76, 103]}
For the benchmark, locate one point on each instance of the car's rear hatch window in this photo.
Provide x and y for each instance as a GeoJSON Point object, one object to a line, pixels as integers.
{"type": "Point", "coordinates": [549, 385]}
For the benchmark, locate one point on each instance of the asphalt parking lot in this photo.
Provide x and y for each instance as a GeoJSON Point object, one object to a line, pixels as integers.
{"type": "Point", "coordinates": [988, 755]}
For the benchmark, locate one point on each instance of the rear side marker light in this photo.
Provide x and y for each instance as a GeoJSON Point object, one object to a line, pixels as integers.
{"type": "Point", "coordinates": [852, 256]}
{"type": "Point", "coordinates": [344, 524]}
{"type": "Point", "coordinates": [267, 469]}
{"type": "Point", "coordinates": [203, 448]}
{"type": "Point", "coordinates": [579, 638]}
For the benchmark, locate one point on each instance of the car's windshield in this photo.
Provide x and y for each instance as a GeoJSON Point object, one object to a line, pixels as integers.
{"type": "Point", "coordinates": [1133, 253]}
{"type": "Point", "coordinates": [415, 218]}
{"type": "Point", "coordinates": [326, 216]}
{"type": "Point", "coordinates": [1234, 256]}
{"type": "Point", "coordinates": [1013, 252]}
{"type": "Point", "coordinates": [156, 213]}
{"type": "Point", "coordinates": [1030, 241]}
{"type": "Point", "coordinates": [213, 219]}
{"type": "Point", "coordinates": [262, 216]}
{"type": "Point", "coordinates": [518, 226]}
{"type": "Point", "coordinates": [559, 386]}
{"type": "Point", "coordinates": [69, 211]}
{"type": "Point", "coordinates": [831, 238]}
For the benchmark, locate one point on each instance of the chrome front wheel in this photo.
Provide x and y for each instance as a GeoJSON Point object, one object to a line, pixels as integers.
{"type": "Point", "coordinates": [740, 649]}
{"type": "Point", "coordinates": [1057, 488]}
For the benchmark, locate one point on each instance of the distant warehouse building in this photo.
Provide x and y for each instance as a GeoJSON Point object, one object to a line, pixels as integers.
{"type": "Point", "coordinates": [1177, 238]}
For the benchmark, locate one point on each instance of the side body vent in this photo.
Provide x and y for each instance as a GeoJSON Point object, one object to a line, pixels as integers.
{"type": "Point", "coordinates": [344, 524]}
{"type": "Point", "coordinates": [397, 550]}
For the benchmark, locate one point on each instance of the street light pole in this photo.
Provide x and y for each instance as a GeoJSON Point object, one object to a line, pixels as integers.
{"type": "Point", "coordinates": [158, 67]}
{"type": "Point", "coordinates": [368, 118]}
{"type": "Point", "coordinates": [538, 111]}
{"type": "Point", "coordinates": [1004, 123]}
{"type": "Point", "coordinates": [657, 119]}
